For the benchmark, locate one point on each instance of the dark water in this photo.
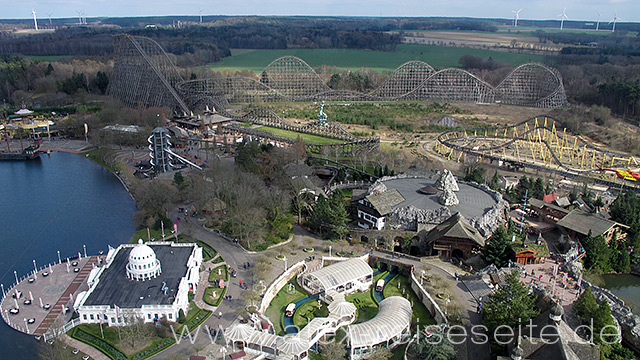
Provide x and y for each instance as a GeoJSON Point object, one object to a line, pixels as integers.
{"type": "Point", "coordinates": [60, 202]}
{"type": "Point", "coordinates": [624, 286]}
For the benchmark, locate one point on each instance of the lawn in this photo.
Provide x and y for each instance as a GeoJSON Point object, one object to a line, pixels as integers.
{"type": "Point", "coordinates": [275, 311]}
{"type": "Point", "coordinates": [308, 139]}
{"type": "Point", "coordinates": [156, 235]}
{"type": "Point", "coordinates": [308, 311]}
{"type": "Point", "coordinates": [437, 56]}
{"type": "Point", "coordinates": [224, 274]}
{"type": "Point", "coordinates": [420, 313]}
{"type": "Point", "coordinates": [367, 307]}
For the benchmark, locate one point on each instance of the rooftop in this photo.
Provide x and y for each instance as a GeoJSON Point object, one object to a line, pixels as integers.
{"type": "Point", "coordinates": [115, 288]}
{"type": "Point", "coordinates": [385, 201]}
{"type": "Point", "coordinates": [583, 222]}
{"type": "Point", "coordinates": [342, 272]}
{"type": "Point", "coordinates": [393, 316]}
{"type": "Point", "coordinates": [455, 227]}
{"type": "Point", "coordinates": [474, 202]}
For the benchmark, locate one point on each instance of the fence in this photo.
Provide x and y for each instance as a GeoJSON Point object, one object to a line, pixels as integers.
{"type": "Point", "coordinates": [277, 284]}
{"type": "Point", "coordinates": [428, 301]}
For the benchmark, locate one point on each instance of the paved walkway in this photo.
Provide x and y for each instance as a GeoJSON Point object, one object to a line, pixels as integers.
{"type": "Point", "coordinates": [235, 257]}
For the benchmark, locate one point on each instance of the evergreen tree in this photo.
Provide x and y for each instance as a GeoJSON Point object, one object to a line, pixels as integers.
{"type": "Point", "coordinates": [538, 189]}
{"type": "Point", "coordinates": [598, 253]}
{"type": "Point", "coordinates": [509, 305]}
{"type": "Point", "coordinates": [497, 250]}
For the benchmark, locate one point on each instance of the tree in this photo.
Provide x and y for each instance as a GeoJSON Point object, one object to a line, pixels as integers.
{"type": "Point", "coordinates": [436, 350]}
{"type": "Point", "coordinates": [598, 253]}
{"type": "Point", "coordinates": [55, 351]}
{"type": "Point", "coordinates": [538, 189]}
{"type": "Point", "coordinates": [475, 174]}
{"type": "Point", "coordinates": [329, 216]}
{"type": "Point", "coordinates": [509, 305]}
{"type": "Point", "coordinates": [587, 310]}
{"type": "Point", "coordinates": [497, 250]}
{"type": "Point", "coordinates": [333, 351]}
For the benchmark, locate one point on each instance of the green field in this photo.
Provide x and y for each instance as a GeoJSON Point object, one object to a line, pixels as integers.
{"type": "Point", "coordinates": [437, 56]}
{"type": "Point", "coordinates": [308, 139]}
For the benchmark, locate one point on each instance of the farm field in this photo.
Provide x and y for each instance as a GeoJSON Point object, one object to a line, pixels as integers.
{"type": "Point", "coordinates": [437, 56]}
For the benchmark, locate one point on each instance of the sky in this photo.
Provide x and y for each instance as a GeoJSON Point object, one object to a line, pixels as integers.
{"type": "Point", "coordinates": [627, 10]}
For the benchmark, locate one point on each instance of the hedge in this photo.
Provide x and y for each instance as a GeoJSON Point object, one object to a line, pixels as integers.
{"type": "Point", "coordinates": [207, 299]}
{"type": "Point", "coordinates": [197, 319]}
{"type": "Point", "coordinates": [106, 348]}
{"type": "Point", "coordinates": [113, 353]}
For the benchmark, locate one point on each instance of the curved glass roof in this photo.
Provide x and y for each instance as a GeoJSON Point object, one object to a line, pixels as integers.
{"type": "Point", "coordinates": [341, 273]}
{"type": "Point", "coordinates": [393, 317]}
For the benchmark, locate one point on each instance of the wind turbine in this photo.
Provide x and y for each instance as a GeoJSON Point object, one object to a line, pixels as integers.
{"type": "Point", "coordinates": [563, 16]}
{"type": "Point", "coordinates": [615, 19]}
{"type": "Point", "coordinates": [516, 17]}
{"type": "Point", "coordinates": [200, 16]}
{"type": "Point", "coordinates": [598, 23]}
{"type": "Point", "coordinates": [49, 15]}
{"type": "Point", "coordinates": [79, 16]}
{"type": "Point", "coordinates": [35, 21]}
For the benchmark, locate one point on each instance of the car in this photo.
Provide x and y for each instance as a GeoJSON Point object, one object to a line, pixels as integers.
{"type": "Point", "coordinates": [290, 310]}
{"type": "Point", "coordinates": [380, 285]}
{"type": "Point", "coordinates": [86, 357]}
{"type": "Point", "coordinates": [75, 351]}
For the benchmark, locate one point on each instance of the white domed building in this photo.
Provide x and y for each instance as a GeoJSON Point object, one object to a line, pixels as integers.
{"type": "Point", "coordinates": [143, 263]}
{"type": "Point", "coordinates": [148, 281]}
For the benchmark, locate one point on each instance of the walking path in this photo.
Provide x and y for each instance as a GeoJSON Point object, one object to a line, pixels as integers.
{"type": "Point", "coordinates": [235, 257]}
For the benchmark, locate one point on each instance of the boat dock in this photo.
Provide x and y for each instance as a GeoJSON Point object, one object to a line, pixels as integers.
{"type": "Point", "coordinates": [43, 299]}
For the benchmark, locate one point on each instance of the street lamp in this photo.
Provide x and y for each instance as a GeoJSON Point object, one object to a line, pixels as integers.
{"type": "Point", "coordinates": [329, 250]}
{"type": "Point", "coordinates": [35, 269]}
{"type": "Point", "coordinates": [59, 260]}
{"type": "Point", "coordinates": [16, 275]}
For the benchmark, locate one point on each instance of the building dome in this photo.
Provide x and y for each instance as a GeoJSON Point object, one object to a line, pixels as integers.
{"type": "Point", "coordinates": [143, 264]}
{"type": "Point", "coordinates": [556, 312]}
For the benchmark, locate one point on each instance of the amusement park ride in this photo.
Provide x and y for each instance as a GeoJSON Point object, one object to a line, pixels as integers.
{"type": "Point", "coordinates": [626, 175]}
{"type": "Point", "coordinates": [540, 143]}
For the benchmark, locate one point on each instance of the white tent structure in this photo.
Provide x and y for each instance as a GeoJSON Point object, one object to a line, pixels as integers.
{"type": "Point", "coordinates": [387, 329]}
{"type": "Point", "coordinates": [344, 277]}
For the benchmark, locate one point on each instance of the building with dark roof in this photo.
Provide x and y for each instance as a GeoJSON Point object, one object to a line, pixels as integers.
{"type": "Point", "coordinates": [143, 281]}
{"type": "Point", "coordinates": [579, 223]}
{"type": "Point", "coordinates": [455, 237]}
{"type": "Point", "coordinates": [373, 209]}
{"type": "Point", "coordinates": [548, 337]}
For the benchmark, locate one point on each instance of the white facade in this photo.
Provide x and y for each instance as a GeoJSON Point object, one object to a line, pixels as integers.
{"type": "Point", "coordinates": [114, 315]}
{"type": "Point", "coordinates": [368, 221]}
{"type": "Point", "coordinates": [143, 264]}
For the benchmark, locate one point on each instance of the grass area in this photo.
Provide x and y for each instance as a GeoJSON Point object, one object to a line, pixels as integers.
{"type": "Point", "coordinates": [209, 297]}
{"type": "Point", "coordinates": [308, 138]}
{"type": "Point", "coordinates": [275, 311]}
{"type": "Point", "coordinates": [218, 260]}
{"type": "Point", "coordinates": [542, 249]}
{"type": "Point", "coordinates": [98, 155]}
{"type": "Point", "coordinates": [421, 315]}
{"type": "Point", "coordinates": [367, 307]}
{"type": "Point", "coordinates": [224, 274]}
{"type": "Point", "coordinates": [111, 345]}
{"type": "Point", "coordinates": [437, 56]}
{"type": "Point", "coordinates": [308, 311]}
{"type": "Point", "coordinates": [142, 234]}
{"type": "Point", "coordinates": [194, 317]}
{"type": "Point", "coordinates": [403, 116]}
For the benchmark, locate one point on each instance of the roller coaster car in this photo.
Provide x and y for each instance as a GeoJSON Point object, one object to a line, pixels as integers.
{"type": "Point", "coordinates": [627, 175]}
